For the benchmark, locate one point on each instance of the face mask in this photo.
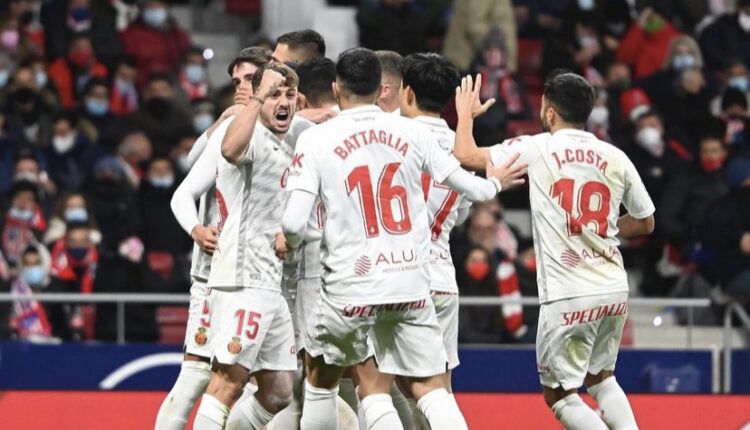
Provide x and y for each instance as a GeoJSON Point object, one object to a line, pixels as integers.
{"type": "Point", "coordinates": [24, 95]}
{"type": "Point", "coordinates": [587, 41]}
{"type": "Point", "coordinates": [33, 275]}
{"type": "Point", "coordinates": [63, 144]}
{"type": "Point", "coordinates": [9, 39]}
{"type": "Point", "coordinates": [4, 77]}
{"type": "Point", "coordinates": [182, 163]}
{"type": "Point", "coordinates": [586, 4]}
{"type": "Point", "coordinates": [20, 214]}
{"type": "Point", "coordinates": [159, 106]}
{"type": "Point", "coordinates": [683, 61]}
{"type": "Point", "coordinates": [745, 21]}
{"type": "Point", "coordinates": [739, 82]}
{"type": "Point", "coordinates": [124, 87]}
{"type": "Point", "coordinates": [80, 59]}
{"type": "Point", "coordinates": [97, 107]}
{"type": "Point", "coordinates": [26, 176]}
{"type": "Point", "coordinates": [599, 115]}
{"type": "Point", "coordinates": [649, 138]}
{"type": "Point", "coordinates": [80, 14]}
{"type": "Point", "coordinates": [41, 78]}
{"type": "Point", "coordinates": [162, 182]}
{"type": "Point", "coordinates": [195, 73]}
{"type": "Point", "coordinates": [155, 17]}
{"type": "Point", "coordinates": [76, 215]}
{"type": "Point", "coordinates": [78, 254]}
{"type": "Point", "coordinates": [202, 121]}
{"type": "Point", "coordinates": [712, 164]}
{"type": "Point", "coordinates": [478, 270]}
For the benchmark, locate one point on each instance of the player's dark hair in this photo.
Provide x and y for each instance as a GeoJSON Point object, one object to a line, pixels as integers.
{"type": "Point", "coordinates": [308, 41]}
{"type": "Point", "coordinates": [432, 78]}
{"type": "Point", "coordinates": [358, 70]}
{"type": "Point", "coordinates": [255, 54]}
{"type": "Point", "coordinates": [570, 95]}
{"type": "Point", "coordinates": [315, 78]}
{"type": "Point", "coordinates": [390, 62]}
{"type": "Point", "coordinates": [292, 80]}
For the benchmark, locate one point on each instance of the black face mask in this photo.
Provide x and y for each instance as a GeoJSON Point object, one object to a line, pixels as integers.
{"type": "Point", "coordinates": [78, 254]}
{"type": "Point", "coordinates": [159, 106]}
{"type": "Point", "coordinates": [24, 96]}
{"type": "Point", "coordinates": [109, 187]}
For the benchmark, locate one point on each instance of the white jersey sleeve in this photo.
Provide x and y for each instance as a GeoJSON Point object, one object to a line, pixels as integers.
{"type": "Point", "coordinates": [522, 145]}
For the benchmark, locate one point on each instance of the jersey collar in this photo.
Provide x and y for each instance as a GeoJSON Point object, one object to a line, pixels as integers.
{"type": "Point", "coordinates": [573, 132]}
{"type": "Point", "coordinates": [431, 120]}
{"type": "Point", "coordinates": [361, 109]}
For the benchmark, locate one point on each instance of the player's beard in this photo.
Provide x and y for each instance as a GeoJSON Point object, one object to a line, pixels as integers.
{"type": "Point", "coordinates": [269, 121]}
{"type": "Point", "coordinates": [545, 125]}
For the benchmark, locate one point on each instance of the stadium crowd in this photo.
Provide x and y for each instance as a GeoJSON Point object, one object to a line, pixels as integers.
{"type": "Point", "coordinates": [101, 101]}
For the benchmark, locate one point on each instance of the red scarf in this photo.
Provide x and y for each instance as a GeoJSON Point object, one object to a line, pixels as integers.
{"type": "Point", "coordinates": [63, 266]}
{"type": "Point", "coordinates": [18, 234]}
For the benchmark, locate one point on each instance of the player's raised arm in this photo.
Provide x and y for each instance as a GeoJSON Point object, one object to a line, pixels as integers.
{"type": "Point", "coordinates": [468, 107]}
{"type": "Point", "coordinates": [236, 142]}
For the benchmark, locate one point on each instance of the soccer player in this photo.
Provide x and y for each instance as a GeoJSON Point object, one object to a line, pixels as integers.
{"type": "Point", "coordinates": [315, 78]}
{"type": "Point", "coordinates": [390, 82]}
{"type": "Point", "coordinates": [297, 47]}
{"type": "Point", "coordinates": [366, 167]}
{"type": "Point", "coordinates": [577, 184]}
{"type": "Point", "coordinates": [202, 225]}
{"type": "Point", "coordinates": [251, 322]}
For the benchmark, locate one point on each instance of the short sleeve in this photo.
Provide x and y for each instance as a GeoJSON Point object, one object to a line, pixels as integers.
{"type": "Point", "coordinates": [439, 162]}
{"type": "Point", "coordinates": [524, 145]}
{"type": "Point", "coordinates": [635, 198]}
{"type": "Point", "coordinates": [304, 171]}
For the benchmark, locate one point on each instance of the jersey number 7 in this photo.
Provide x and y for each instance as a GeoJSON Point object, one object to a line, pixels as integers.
{"type": "Point", "coordinates": [565, 190]}
{"type": "Point", "coordinates": [359, 179]}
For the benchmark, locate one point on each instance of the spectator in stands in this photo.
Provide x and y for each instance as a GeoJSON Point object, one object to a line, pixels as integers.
{"type": "Point", "coordinates": [23, 223]}
{"type": "Point", "coordinates": [576, 46]}
{"type": "Point", "coordinates": [728, 37]}
{"type": "Point", "coordinates": [179, 154]}
{"type": "Point", "coordinates": [687, 195]}
{"type": "Point", "coordinates": [193, 77]}
{"type": "Point", "coordinates": [97, 122]}
{"type": "Point", "coordinates": [406, 31]}
{"type": "Point", "coordinates": [27, 168]}
{"type": "Point", "coordinates": [647, 41]}
{"type": "Point", "coordinates": [7, 67]}
{"type": "Point", "coordinates": [70, 156]}
{"type": "Point", "coordinates": [297, 47]}
{"type": "Point", "coordinates": [471, 21]}
{"type": "Point", "coordinates": [155, 41]}
{"type": "Point", "coordinates": [161, 117]}
{"type": "Point", "coordinates": [25, 12]}
{"type": "Point", "coordinates": [29, 319]}
{"type": "Point", "coordinates": [476, 278]}
{"type": "Point", "coordinates": [27, 115]}
{"type": "Point", "coordinates": [14, 41]}
{"type": "Point", "coordinates": [166, 246]}
{"type": "Point", "coordinates": [71, 207]}
{"type": "Point", "coordinates": [734, 111]}
{"type": "Point", "coordinates": [74, 268]}
{"type": "Point", "coordinates": [64, 20]}
{"type": "Point", "coordinates": [5, 308]}
{"type": "Point", "coordinates": [132, 154]}
{"type": "Point", "coordinates": [124, 100]}
{"type": "Point", "coordinates": [390, 82]}
{"type": "Point", "coordinates": [71, 73]}
{"type": "Point", "coordinates": [204, 114]}
{"type": "Point", "coordinates": [736, 76]}
{"type": "Point", "coordinates": [727, 229]}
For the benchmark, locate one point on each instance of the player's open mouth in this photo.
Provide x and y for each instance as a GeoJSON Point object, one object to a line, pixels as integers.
{"type": "Point", "coordinates": [282, 116]}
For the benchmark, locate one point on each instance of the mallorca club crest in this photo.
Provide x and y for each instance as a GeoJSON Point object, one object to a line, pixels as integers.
{"type": "Point", "coordinates": [235, 347]}
{"type": "Point", "coordinates": [201, 337]}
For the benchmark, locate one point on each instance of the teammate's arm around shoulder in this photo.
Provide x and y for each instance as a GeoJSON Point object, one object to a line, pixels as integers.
{"type": "Point", "coordinates": [468, 106]}
{"type": "Point", "coordinates": [639, 220]}
{"type": "Point", "coordinates": [236, 142]}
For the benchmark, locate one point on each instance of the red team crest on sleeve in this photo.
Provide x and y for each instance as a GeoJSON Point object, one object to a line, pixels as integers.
{"type": "Point", "coordinates": [234, 346]}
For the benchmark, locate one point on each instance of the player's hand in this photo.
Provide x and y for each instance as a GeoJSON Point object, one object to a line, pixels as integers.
{"type": "Point", "coordinates": [467, 97]}
{"type": "Point", "coordinates": [509, 174]}
{"type": "Point", "coordinates": [207, 238]}
{"type": "Point", "coordinates": [269, 83]}
{"type": "Point", "coordinates": [318, 115]}
{"type": "Point", "coordinates": [242, 96]}
{"type": "Point", "coordinates": [745, 243]}
{"type": "Point", "coordinates": [280, 247]}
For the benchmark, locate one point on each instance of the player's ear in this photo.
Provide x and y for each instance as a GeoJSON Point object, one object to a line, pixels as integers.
{"type": "Point", "coordinates": [301, 101]}
{"type": "Point", "coordinates": [410, 97]}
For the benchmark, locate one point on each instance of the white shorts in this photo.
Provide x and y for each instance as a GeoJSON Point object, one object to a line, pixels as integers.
{"type": "Point", "coordinates": [308, 290]}
{"type": "Point", "coordinates": [446, 309]}
{"type": "Point", "coordinates": [405, 336]}
{"type": "Point", "coordinates": [197, 333]}
{"type": "Point", "coordinates": [579, 335]}
{"type": "Point", "coordinates": [253, 328]}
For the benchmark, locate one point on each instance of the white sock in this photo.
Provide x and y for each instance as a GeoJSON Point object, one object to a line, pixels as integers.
{"type": "Point", "coordinates": [347, 417]}
{"type": "Point", "coordinates": [248, 414]}
{"type": "Point", "coordinates": [613, 404]}
{"type": "Point", "coordinates": [319, 410]}
{"type": "Point", "coordinates": [441, 411]}
{"type": "Point", "coordinates": [348, 393]}
{"type": "Point", "coordinates": [419, 418]}
{"type": "Point", "coordinates": [360, 412]}
{"type": "Point", "coordinates": [576, 415]}
{"type": "Point", "coordinates": [403, 409]}
{"type": "Point", "coordinates": [212, 414]}
{"type": "Point", "coordinates": [189, 386]}
{"type": "Point", "coordinates": [379, 413]}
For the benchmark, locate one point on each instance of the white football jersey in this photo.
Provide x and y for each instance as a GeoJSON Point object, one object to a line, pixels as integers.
{"type": "Point", "coordinates": [309, 249]}
{"type": "Point", "coordinates": [577, 184]}
{"type": "Point", "coordinates": [251, 200]}
{"type": "Point", "coordinates": [366, 167]}
{"type": "Point", "coordinates": [442, 211]}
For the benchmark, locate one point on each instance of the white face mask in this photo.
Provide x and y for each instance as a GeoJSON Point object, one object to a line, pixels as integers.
{"type": "Point", "coordinates": [599, 115]}
{"type": "Point", "coordinates": [63, 144]}
{"type": "Point", "coordinates": [649, 138]}
{"type": "Point", "coordinates": [745, 21]}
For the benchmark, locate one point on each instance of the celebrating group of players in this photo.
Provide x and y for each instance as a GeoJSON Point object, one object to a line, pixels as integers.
{"type": "Point", "coordinates": [322, 239]}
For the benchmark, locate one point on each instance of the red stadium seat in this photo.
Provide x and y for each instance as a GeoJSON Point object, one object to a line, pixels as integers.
{"type": "Point", "coordinates": [172, 321]}
{"type": "Point", "coordinates": [529, 56]}
{"type": "Point", "coordinates": [242, 7]}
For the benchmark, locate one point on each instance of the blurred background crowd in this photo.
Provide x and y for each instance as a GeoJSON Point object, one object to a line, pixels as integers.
{"type": "Point", "coordinates": [101, 100]}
